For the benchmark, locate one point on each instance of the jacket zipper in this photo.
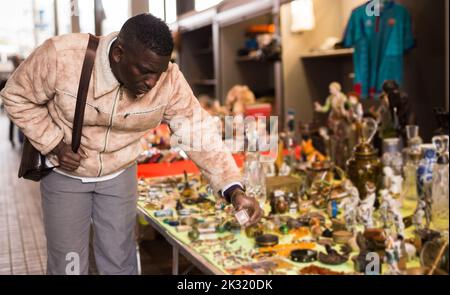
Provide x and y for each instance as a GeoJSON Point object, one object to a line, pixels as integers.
{"type": "Point", "coordinates": [118, 94]}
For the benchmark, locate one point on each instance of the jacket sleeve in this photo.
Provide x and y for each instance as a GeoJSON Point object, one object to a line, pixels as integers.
{"type": "Point", "coordinates": [26, 95]}
{"type": "Point", "coordinates": [196, 132]}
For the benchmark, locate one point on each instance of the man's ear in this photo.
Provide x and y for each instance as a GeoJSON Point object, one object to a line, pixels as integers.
{"type": "Point", "coordinates": [117, 53]}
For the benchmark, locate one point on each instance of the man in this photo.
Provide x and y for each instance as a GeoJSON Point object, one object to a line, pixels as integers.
{"type": "Point", "coordinates": [133, 88]}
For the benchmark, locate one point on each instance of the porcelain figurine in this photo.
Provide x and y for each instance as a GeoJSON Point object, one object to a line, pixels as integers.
{"type": "Point", "coordinates": [419, 215]}
{"type": "Point", "coordinates": [395, 112]}
{"type": "Point", "coordinates": [355, 114]}
{"type": "Point", "coordinates": [390, 212]}
{"type": "Point", "coordinates": [384, 208]}
{"type": "Point", "coordinates": [392, 182]}
{"type": "Point", "coordinates": [366, 207]}
{"type": "Point", "coordinates": [335, 105]}
{"type": "Point", "coordinates": [349, 205]}
{"type": "Point", "coordinates": [393, 252]}
{"type": "Point", "coordinates": [338, 123]}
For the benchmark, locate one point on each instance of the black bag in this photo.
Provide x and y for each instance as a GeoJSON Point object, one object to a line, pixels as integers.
{"type": "Point", "coordinates": [32, 164]}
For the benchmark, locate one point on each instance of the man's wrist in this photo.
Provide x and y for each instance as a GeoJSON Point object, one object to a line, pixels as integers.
{"type": "Point", "coordinates": [230, 192]}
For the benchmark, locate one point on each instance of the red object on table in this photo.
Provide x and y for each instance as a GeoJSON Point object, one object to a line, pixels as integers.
{"type": "Point", "coordinates": [178, 168]}
{"type": "Point", "coordinates": [258, 110]}
{"type": "Point", "coordinates": [175, 168]}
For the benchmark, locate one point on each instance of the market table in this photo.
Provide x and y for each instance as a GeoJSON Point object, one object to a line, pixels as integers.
{"type": "Point", "coordinates": [157, 170]}
{"type": "Point", "coordinates": [209, 258]}
{"type": "Point", "coordinates": [178, 246]}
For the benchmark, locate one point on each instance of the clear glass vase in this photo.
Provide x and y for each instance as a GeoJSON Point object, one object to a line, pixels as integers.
{"type": "Point", "coordinates": [440, 193]}
{"type": "Point", "coordinates": [255, 178]}
{"type": "Point", "coordinates": [392, 156]}
{"type": "Point", "coordinates": [412, 155]}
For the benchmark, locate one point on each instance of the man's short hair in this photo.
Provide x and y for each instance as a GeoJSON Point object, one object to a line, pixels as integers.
{"type": "Point", "coordinates": [149, 31]}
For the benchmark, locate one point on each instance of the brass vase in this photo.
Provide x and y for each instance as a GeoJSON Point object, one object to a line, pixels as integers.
{"type": "Point", "coordinates": [364, 164]}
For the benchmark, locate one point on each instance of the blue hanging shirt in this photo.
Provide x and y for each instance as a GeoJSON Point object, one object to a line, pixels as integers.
{"type": "Point", "coordinates": [380, 43]}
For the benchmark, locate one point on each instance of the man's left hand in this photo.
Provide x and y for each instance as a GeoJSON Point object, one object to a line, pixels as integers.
{"type": "Point", "coordinates": [241, 201]}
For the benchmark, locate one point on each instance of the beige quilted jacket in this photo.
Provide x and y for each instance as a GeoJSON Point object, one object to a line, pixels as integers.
{"type": "Point", "coordinates": [40, 98]}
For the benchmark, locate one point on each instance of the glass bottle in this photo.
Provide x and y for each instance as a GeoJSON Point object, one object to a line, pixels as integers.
{"type": "Point", "coordinates": [255, 178]}
{"type": "Point", "coordinates": [412, 157]}
{"type": "Point", "coordinates": [290, 139]}
{"type": "Point", "coordinates": [440, 193]}
{"type": "Point", "coordinates": [392, 156]}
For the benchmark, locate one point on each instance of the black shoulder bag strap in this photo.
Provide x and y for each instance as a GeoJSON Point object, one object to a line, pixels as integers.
{"type": "Point", "coordinates": [83, 88]}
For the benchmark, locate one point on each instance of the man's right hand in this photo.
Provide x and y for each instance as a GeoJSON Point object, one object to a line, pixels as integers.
{"type": "Point", "coordinates": [68, 160]}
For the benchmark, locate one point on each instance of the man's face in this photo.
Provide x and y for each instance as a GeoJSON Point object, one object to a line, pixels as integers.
{"type": "Point", "coordinates": [137, 68]}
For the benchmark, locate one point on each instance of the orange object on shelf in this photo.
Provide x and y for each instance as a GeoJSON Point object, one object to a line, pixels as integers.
{"type": "Point", "coordinates": [175, 168]}
{"type": "Point", "coordinates": [261, 29]}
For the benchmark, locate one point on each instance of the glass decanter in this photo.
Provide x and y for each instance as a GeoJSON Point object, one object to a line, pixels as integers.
{"type": "Point", "coordinates": [440, 193]}
{"type": "Point", "coordinates": [254, 175]}
{"type": "Point", "coordinates": [412, 156]}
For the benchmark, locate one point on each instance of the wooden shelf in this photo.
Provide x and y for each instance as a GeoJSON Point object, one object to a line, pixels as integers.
{"type": "Point", "coordinates": [253, 59]}
{"type": "Point", "coordinates": [346, 52]}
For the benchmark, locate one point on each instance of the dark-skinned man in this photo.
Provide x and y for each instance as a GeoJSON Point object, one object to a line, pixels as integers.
{"type": "Point", "coordinates": [133, 88]}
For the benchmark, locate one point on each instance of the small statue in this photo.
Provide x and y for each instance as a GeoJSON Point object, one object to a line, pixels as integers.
{"type": "Point", "coordinates": [419, 215]}
{"type": "Point", "coordinates": [335, 104]}
{"type": "Point", "coordinates": [309, 152]}
{"type": "Point", "coordinates": [393, 252]}
{"type": "Point", "coordinates": [392, 182]}
{"type": "Point", "coordinates": [187, 191]}
{"type": "Point", "coordinates": [384, 208]}
{"type": "Point", "coordinates": [390, 212]}
{"type": "Point", "coordinates": [354, 114]}
{"type": "Point", "coordinates": [354, 109]}
{"type": "Point", "coordinates": [395, 112]}
{"type": "Point", "coordinates": [284, 170]}
{"type": "Point", "coordinates": [365, 209]}
{"type": "Point", "coordinates": [337, 123]}
{"type": "Point", "coordinates": [349, 205]}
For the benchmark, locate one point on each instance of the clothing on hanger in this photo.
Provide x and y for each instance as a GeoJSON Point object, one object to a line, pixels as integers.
{"type": "Point", "coordinates": [380, 42]}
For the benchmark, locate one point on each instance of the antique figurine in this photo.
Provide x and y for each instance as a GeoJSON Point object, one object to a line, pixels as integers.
{"type": "Point", "coordinates": [366, 207]}
{"type": "Point", "coordinates": [354, 114]}
{"type": "Point", "coordinates": [349, 205]}
{"type": "Point", "coordinates": [395, 112]}
{"type": "Point", "coordinates": [309, 152]}
{"type": "Point", "coordinates": [390, 212]}
{"type": "Point", "coordinates": [392, 182]}
{"type": "Point", "coordinates": [419, 215]}
{"type": "Point", "coordinates": [393, 252]}
{"type": "Point", "coordinates": [335, 105]}
{"type": "Point", "coordinates": [384, 208]}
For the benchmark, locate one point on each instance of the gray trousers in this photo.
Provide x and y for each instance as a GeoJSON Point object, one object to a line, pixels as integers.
{"type": "Point", "coordinates": [69, 206]}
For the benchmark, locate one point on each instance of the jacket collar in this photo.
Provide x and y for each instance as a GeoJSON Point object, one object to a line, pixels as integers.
{"type": "Point", "coordinates": [104, 79]}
